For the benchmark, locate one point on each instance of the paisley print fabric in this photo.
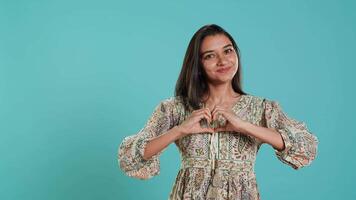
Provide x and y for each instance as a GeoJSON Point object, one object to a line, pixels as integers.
{"type": "Point", "coordinates": [217, 166]}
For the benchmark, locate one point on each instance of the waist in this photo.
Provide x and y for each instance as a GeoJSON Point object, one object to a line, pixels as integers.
{"type": "Point", "coordinates": [236, 165]}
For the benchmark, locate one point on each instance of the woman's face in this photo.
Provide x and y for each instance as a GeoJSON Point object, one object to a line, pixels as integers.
{"type": "Point", "coordinates": [219, 58]}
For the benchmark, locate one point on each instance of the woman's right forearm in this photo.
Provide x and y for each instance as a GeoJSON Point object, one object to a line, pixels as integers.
{"type": "Point", "coordinates": [158, 143]}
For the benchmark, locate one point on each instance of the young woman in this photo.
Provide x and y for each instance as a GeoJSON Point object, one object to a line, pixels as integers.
{"type": "Point", "coordinates": [217, 127]}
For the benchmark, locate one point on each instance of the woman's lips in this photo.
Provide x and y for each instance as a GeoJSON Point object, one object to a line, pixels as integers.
{"type": "Point", "coordinates": [223, 70]}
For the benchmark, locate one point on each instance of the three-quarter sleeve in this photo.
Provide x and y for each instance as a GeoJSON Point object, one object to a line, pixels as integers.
{"type": "Point", "coordinates": [300, 144]}
{"type": "Point", "coordinates": [131, 150]}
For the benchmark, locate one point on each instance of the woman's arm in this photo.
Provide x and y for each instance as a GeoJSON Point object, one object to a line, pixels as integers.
{"type": "Point", "coordinates": [162, 141]}
{"type": "Point", "coordinates": [190, 126]}
{"type": "Point", "coordinates": [266, 135]}
{"type": "Point", "coordinates": [132, 148]}
{"type": "Point", "coordinates": [295, 145]}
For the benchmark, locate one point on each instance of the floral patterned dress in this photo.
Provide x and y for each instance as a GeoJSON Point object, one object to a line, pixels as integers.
{"type": "Point", "coordinates": [220, 165]}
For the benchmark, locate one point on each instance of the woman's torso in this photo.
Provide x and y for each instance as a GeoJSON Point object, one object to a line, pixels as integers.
{"type": "Point", "coordinates": [219, 160]}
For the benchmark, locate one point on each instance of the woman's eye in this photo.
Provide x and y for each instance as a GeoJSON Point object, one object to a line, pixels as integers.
{"type": "Point", "coordinates": [228, 50]}
{"type": "Point", "coordinates": [209, 56]}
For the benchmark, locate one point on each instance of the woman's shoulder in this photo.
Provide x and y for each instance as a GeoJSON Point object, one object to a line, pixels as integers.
{"type": "Point", "coordinates": [259, 100]}
{"type": "Point", "coordinates": [253, 98]}
{"type": "Point", "coordinates": [172, 102]}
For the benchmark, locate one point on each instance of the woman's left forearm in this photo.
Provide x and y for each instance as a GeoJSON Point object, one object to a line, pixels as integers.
{"type": "Point", "coordinates": [266, 135]}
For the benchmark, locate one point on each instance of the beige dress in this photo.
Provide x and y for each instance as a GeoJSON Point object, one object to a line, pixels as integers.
{"type": "Point", "coordinates": [219, 165]}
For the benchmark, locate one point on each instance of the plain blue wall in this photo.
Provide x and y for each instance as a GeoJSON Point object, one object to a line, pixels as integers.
{"type": "Point", "coordinates": [76, 77]}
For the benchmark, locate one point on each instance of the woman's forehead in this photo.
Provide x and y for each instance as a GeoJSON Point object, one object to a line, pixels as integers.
{"type": "Point", "coordinates": [214, 42]}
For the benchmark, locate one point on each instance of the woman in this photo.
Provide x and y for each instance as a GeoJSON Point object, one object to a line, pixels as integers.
{"type": "Point", "coordinates": [217, 127]}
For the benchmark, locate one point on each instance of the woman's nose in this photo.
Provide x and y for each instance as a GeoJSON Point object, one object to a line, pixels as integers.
{"type": "Point", "coordinates": [222, 60]}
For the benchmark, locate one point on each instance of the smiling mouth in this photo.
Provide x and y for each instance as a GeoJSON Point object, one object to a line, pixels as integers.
{"type": "Point", "coordinates": [224, 69]}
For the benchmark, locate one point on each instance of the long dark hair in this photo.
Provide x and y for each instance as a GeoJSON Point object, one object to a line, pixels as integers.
{"type": "Point", "coordinates": [192, 82]}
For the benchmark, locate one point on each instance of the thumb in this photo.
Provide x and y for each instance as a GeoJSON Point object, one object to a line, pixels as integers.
{"type": "Point", "coordinates": [210, 130]}
{"type": "Point", "coordinates": [220, 129]}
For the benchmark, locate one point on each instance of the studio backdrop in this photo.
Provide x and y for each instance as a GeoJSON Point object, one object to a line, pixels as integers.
{"type": "Point", "coordinates": [77, 77]}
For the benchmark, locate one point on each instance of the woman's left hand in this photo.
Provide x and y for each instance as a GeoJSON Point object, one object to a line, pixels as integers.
{"type": "Point", "coordinates": [233, 122]}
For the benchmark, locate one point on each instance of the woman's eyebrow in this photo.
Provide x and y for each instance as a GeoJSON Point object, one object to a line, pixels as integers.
{"type": "Point", "coordinates": [213, 51]}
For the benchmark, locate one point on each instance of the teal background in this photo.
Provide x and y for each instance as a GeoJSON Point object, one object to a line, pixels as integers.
{"type": "Point", "coordinates": [76, 77]}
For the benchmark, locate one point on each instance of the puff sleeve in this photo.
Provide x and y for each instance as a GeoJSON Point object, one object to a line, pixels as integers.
{"type": "Point", "coordinates": [131, 150]}
{"type": "Point", "coordinates": [300, 144]}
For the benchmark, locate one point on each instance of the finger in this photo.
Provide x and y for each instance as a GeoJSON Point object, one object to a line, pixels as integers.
{"type": "Point", "coordinates": [216, 113]}
{"type": "Point", "coordinates": [218, 129]}
{"type": "Point", "coordinates": [210, 130]}
{"type": "Point", "coordinates": [198, 110]}
{"type": "Point", "coordinates": [213, 110]}
{"type": "Point", "coordinates": [207, 117]}
{"type": "Point", "coordinates": [218, 108]}
{"type": "Point", "coordinates": [221, 130]}
{"type": "Point", "coordinates": [207, 111]}
{"type": "Point", "coordinates": [220, 111]}
{"type": "Point", "coordinates": [204, 110]}
{"type": "Point", "coordinates": [201, 116]}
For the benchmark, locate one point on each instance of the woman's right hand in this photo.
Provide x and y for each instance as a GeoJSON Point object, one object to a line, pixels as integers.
{"type": "Point", "coordinates": [192, 124]}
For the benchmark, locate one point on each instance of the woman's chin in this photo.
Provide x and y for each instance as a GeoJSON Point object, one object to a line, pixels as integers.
{"type": "Point", "coordinates": [222, 80]}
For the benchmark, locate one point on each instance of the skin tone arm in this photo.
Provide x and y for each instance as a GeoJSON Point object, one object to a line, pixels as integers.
{"type": "Point", "coordinates": [266, 135]}
{"type": "Point", "coordinates": [190, 126]}
{"type": "Point", "coordinates": [161, 142]}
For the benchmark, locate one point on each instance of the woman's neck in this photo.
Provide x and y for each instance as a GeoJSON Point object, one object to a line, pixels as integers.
{"type": "Point", "coordinates": [220, 94]}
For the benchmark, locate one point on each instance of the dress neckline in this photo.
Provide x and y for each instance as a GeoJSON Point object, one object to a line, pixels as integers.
{"type": "Point", "coordinates": [234, 105]}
